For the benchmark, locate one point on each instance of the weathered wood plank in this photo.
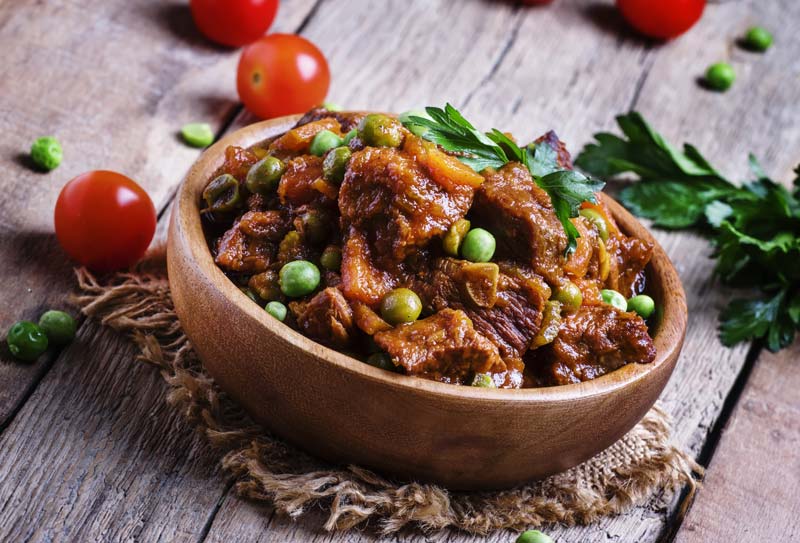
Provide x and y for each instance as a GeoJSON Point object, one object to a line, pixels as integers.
{"type": "Point", "coordinates": [752, 486]}
{"type": "Point", "coordinates": [96, 454]}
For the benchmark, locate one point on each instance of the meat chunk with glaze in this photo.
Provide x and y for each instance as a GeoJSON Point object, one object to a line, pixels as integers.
{"type": "Point", "coordinates": [400, 203]}
{"type": "Point", "coordinates": [520, 215]}
{"type": "Point", "coordinates": [326, 318]}
{"type": "Point", "coordinates": [248, 246]}
{"type": "Point", "coordinates": [591, 342]}
{"type": "Point", "coordinates": [444, 347]}
{"type": "Point", "coordinates": [504, 302]}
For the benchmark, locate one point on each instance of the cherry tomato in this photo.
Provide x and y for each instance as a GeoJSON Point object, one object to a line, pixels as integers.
{"type": "Point", "coordinates": [281, 74]}
{"type": "Point", "coordinates": [662, 19]}
{"type": "Point", "coordinates": [234, 22]}
{"type": "Point", "coordinates": [104, 220]}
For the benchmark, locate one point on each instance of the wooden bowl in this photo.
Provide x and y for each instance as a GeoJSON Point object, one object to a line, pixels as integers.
{"type": "Point", "coordinates": [340, 409]}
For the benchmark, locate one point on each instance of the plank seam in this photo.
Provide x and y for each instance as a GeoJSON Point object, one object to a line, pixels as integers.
{"type": "Point", "coordinates": [714, 436]}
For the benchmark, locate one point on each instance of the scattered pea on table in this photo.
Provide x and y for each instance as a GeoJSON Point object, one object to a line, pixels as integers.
{"type": "Point", "coordinates": [26, 341]}
{"type": "Point", "coordinates": [758, 39]}
{"type": "Point", "coordinates": [197, 134]}
{"type": "Point", "coordinates": [534, 536]}
{"type": "Point", "coordinates": [401, 305]}
{"type": "Point", "coordinates": [720, 76]}
{"type": "Point", "coordinates": [298, 278]}
{"type": "Point", "coordinates": [59, 326]}
{"type": "Point", "coordinates": [46, 153]}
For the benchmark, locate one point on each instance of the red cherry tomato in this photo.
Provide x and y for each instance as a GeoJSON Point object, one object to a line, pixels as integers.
{"type": "Point", "coordinates": [104, 220]}
{"type": "Point", "coordinates": [662, 19]}
{"type": "Point", "coordinates": [281, 74]}
{"type": "Point", "coordinates": [234, 22]}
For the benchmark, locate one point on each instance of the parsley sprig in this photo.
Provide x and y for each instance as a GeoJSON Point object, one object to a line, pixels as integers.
{"type": "Point", "coordinates": [754, 227]}
{"type": "Point", "coordinates": [567, 189]}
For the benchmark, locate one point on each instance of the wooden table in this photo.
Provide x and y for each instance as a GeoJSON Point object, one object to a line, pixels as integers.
{"type": "Point", "coordinates": [90, 451]}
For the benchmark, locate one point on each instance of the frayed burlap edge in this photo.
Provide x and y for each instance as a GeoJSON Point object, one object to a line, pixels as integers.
{"type": "Point", "coordinates": [633, 471]}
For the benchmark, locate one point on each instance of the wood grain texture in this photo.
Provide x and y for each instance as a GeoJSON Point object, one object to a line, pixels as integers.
{"type": "Point", "coordinates": [752, 487]}
{"type": "Point", "coordinates": [566, 66]}
{"type": "Point", "coordinates": [97, 454]}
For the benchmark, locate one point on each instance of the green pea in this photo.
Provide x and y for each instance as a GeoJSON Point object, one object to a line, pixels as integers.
{"type": "Point", "coordinates": [26, 341]}
{"type": "Point", "coordinates": [316, 228]}
{"type": "Point", "coordinates": [534, 536]}
{"type": "Point", "coordinates": [414, 128]}
{"type": "Point", "coordinates": [382, 361]}
{"type": "Point", "coordinates": [330, 106]}
{"type": "Point", "coordinates": [483, 380]}
{"type": "Point", "coordinates": [570, 296]}
{"type": "Point", "coordinates": [277, 310]}
{"type": "Point", "coordinates": [720, 76]}
{"type": "Point", "coordinates": [298, 278]}
{"type": "Point", "coordinates": [59, 326]}
{"type": "Point", "coordinates": [250, 293]}
{"type": "Point", "coordinates": [597, 220]}
{"type": "Point", "coordinates": [378, 130]}
{"type": "Point", "coordinates": [46, 153]}
{"type": "Point", "coordinates": [264, 176]}
{"type": "Point", "coordinates": [323, 141]}
{"type": "Point", "coordinates": [222, 194]}
{"type": "Point", "coordinates": [350, 135]}
{"type": "Point", "coordinates": [758, 39]}
{"type": "Point", "coordinates": [451, 243]}
{"type": "Point", "coordinates": [197, 134]}
{"type": "Point", "coordinates": [331, 258]}
{"type": "Point", "coordinates": [401, 305]}
{"type": "Point", "coordinates": [335, 164]}
{"type": "Point", "coordinates": [478, 245]}
{"type": "Point", "coordinates": [612, 297]}
{"type": "Point", "coordinates": [643, 305]}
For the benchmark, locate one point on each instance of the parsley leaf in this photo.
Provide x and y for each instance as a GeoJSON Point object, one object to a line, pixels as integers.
{"type": "Point", "coordinates": [567, 189]}
{"type": "Point", "coordinates": [755, 227]}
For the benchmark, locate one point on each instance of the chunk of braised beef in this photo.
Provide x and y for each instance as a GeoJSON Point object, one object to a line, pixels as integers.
{"type": "Point", "coordinates": [302, 182]}
{"type": "Point", "coordinates": [504, 303]}
{"type": "Point", "coordinates": [266, 225]}
{"type": "Point", "coordinates": [237, 251]}
{"type": "Point", "coordinates": [400, 203]}
{"type": "Point", "coordinates": [347, 119]}
{"type": "Point", "coordinates": [628, 259]}
{"type": "Point", "coordinates": [362, 280]}
{"type": "Point", "coordinates": [443, 347]}
{"type": "Point", "coordinates": [238, 161]}
{"type": "Point", "coordinates": [591, 342]}
{"type": "Point", "coordinates": [520, 215]}
{"type": "Point", "coordinates": [326, 318]}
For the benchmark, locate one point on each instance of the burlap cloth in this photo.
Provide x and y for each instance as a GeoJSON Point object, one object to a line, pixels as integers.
{"type": "Point", "coordinates": [641, 467]}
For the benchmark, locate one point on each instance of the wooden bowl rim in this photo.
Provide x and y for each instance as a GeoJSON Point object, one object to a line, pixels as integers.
{"type": "Point", "coordinates": [667, 344]}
